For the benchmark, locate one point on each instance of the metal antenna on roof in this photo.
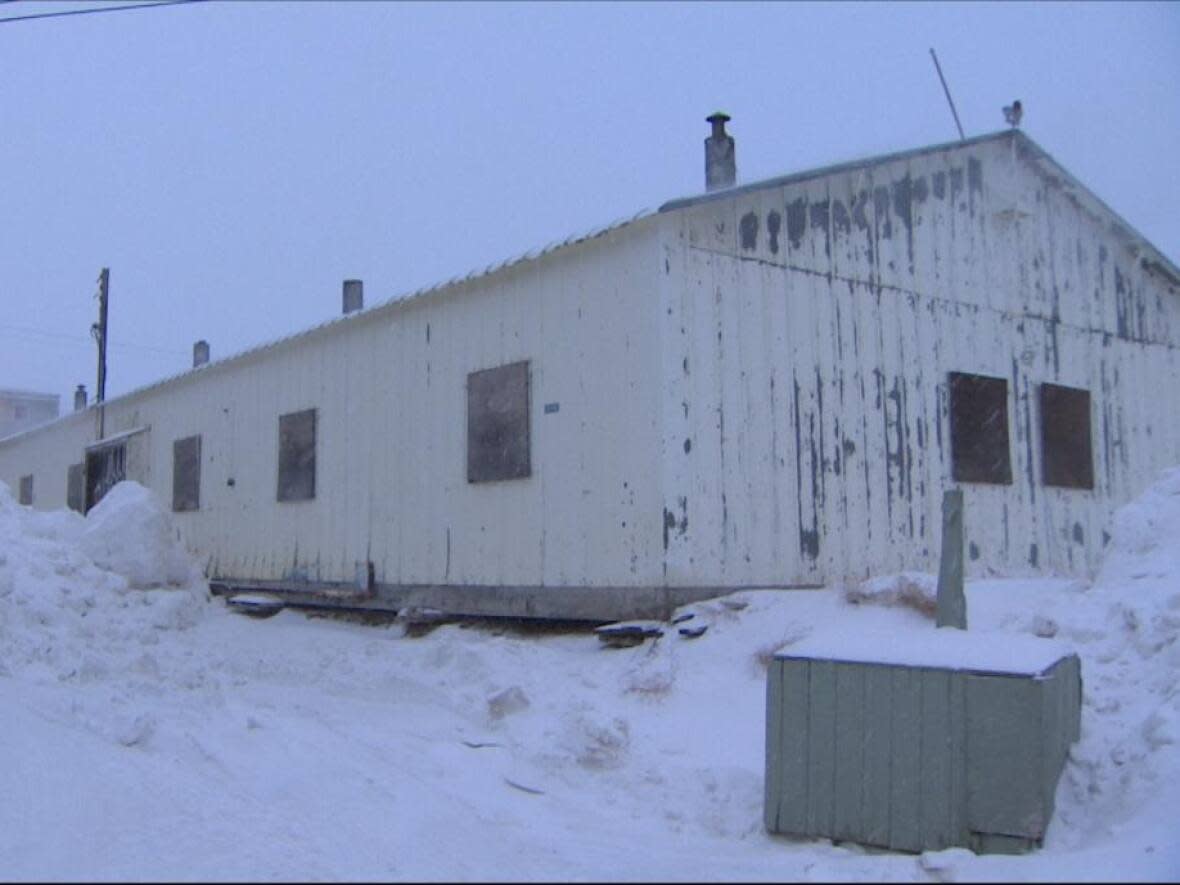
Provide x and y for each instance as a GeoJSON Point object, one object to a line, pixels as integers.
{"type": "Point", "coordinates": [949, 100]}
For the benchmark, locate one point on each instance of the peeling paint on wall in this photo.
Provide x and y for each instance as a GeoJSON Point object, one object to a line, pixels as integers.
{"type": "Point", "coordinates": [864, 324]}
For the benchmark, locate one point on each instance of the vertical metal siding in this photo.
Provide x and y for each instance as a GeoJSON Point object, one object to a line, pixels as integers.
{"type": "Point", "coordinates": [389, 390]}
{"type": "Point", "coordinates": [807, 334]}
{"type": "Point", "coordinates": [750, 390]}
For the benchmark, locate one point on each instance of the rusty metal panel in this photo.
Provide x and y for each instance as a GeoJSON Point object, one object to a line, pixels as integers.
{"type": "Point", "coordinates": [186, 474]}
{"type": "Point", "coordinates": [297, 456]}
{"type": "Point", "coordinates": [498, 423]}
{"type": "Point", "coordinates": [1066, 453]}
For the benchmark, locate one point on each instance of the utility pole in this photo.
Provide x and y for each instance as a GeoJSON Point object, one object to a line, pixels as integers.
{"type": "Point", "coordinates": [99, 331]}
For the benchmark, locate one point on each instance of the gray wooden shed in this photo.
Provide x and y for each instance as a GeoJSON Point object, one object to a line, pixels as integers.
{"type": "Point", "coordinates": [955, 742]}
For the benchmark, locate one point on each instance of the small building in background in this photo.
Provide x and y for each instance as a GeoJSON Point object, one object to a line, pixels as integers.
{"type": "Point", "coordinates": [23, 409]}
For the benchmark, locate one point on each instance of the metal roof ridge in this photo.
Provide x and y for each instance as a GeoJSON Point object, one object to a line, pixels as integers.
{"type": "Point", "coordinates": [404, 298]}
{"type": "Point", "coordinates": [830, 169]}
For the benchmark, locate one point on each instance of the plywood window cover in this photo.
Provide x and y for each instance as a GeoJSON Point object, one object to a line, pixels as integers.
{"type": "Point", "coordinates": [1066, 449]}
{"type": "Point", "coordinates": [186, 474]}
{"type": "Point", "coordinates": [297, 443]}
{"type": "Point", "coordinates": [498, 423]}
{"type": "Point", "coordinates": [76, 487]}
{"type": "Point", "coordinates": [106, 466]}
{"type": "Point", "coordinates": [979, 429]}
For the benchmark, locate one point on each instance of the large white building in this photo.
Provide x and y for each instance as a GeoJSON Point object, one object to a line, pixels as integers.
{"type": "Point", "coordinates": [769, 385]}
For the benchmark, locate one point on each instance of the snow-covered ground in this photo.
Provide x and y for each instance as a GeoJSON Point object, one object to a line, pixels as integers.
{"type": "Point", "coordinates": [148, 732]}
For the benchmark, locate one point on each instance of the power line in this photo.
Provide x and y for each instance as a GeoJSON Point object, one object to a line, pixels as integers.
{"type": "Point", "coordinates": [26, 330]}
{"type": "Point", "coordinates": [23, 18]}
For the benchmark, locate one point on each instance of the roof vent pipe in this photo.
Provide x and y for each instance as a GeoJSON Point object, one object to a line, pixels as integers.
{"type": "Point", "coordinates": [720, 165]}
{"type": "Point", "coordinates": [354, 295]}
{"type": "Point", "coordinates": [80, 398]}
{"type": "Point", "coordinates": [200, 353]}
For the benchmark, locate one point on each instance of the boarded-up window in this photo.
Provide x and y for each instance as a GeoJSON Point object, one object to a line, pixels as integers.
{"type": "Point", "coordinates": [297, 456]}
{"type": "Point", "coordinates": [186, 474]}
{"type": "Point", "coordinates": [26, 490]}
{"type": "Point", "coordinates": [75, 488]}
{"type": "Point", "coordinates": [979, 429]}
{"type": "Point", "coordinates": [1065, 437]}
{"type": "Point", "coordinates": [105, 467]}
{"type": "Point", "coordinates": [498, 423]}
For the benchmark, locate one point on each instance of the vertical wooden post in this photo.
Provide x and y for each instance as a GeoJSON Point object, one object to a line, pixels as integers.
{"type": "Point", "coordinates": [99, 331]}
{"type": "Point", "coordinates": [952, 602]}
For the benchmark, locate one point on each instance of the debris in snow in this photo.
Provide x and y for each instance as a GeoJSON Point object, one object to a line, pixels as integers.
{"type": "Point", "coordinates": [627, 633]}
{"type": "Point", "coordinates": [943, 865]}
{"type": "Point", "coordinates": [1044, 627]}
{"type": "Point", "coordinates": [504, 703]}
{"type": "Point", "coordinates": [694, 632]}
{"type": "Point", "coordinates": [917, 590]}
{"type": "Point", "coordinates": [258, 605]}
{"type": "Point", "coordinates": [533, 790]}
{"type": "Point", "coordinates": [603, 744]}
{"type": "Point", "coordinates": [419, 621]}
{"type": "Point", "coordinates": [137, 732]}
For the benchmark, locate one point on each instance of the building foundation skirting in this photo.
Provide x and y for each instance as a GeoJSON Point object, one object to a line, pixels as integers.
{"type": "Point", "coordinates": [565, 603]}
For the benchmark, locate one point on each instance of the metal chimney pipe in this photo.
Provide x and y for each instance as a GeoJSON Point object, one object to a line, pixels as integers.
{"type": "Point", "coordinates": [354, 295]}
{"type": "Point", "coordinates": [200, 353]}
{"type": "Point", "coordinates": [720, 164]}
{"type": "Point", "coordinates": [80, 398]}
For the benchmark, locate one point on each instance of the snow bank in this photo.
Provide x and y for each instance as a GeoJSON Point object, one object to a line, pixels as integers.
{"type": "Point", "coordinates": [1145, 538]}
{"type": "Point", "coordinates": [66, 582]}
{"type": "Point", "coordinates": [128, 533]}
{"type": "Point", "coordinates": [152, 729]}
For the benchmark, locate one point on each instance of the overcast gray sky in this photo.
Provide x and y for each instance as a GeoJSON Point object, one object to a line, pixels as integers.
{"type": "Point", "coordinates": [232, 163]}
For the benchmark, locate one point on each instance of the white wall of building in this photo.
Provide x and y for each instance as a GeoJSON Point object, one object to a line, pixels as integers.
{"type": "Point", "coordinates": [391, 472]}
{"type": "Point", "coordinates": [750, 390]}
{"type": "Point", "coordinates": [806, 414]}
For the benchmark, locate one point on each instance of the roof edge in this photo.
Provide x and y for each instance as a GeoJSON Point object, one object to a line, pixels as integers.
{"type": "Point", "coordinates": [1157, 262]}
{"type": "Point", "coordinates": [394, 302]}
{"type": "Point", "coordinates": [833, 169]}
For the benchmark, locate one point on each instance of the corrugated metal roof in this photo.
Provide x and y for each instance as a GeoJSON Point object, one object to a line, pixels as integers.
{"type": "Point", "coordinates": [835, 169]}
{"type": "Point", "coordinates": [396, 301]}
